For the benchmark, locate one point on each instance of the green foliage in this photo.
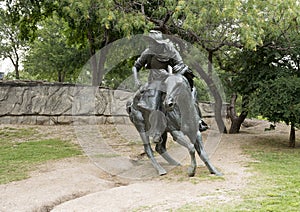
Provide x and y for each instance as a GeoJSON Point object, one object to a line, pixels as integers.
{"type": "Point", "coordinates": [269, 74]}
{"type": "Point", "coordinates": [202, 90]}
{"type": "Point", "coordinates": [120, 76]}
{"type": "Point", "coordinates": [11, 46]}
{"type": "Point", "coordinates": [89, 23]}
{"type": "Point", "coordinates": [234, 23]}
{"type": "Point", "coordinates": [51, 57]}
{"type": "Point", "coordinates": [279, 99]}
{"type": "Point", "coordinates": [227, 28]}
{"type": "Point", "coordinates": [23, 75]}
{"type": "Point", "coordinates": [26, 14]}
{"type": "Point", "coordinates": [100, 22]}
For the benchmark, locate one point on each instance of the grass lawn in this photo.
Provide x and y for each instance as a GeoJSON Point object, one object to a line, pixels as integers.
{"type": "Point", "coordinates": [275, 185]}
{"type": "Point", "coordinates": [19, 154]}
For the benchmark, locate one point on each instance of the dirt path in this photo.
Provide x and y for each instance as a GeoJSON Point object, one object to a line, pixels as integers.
{"type": "Point", "coordinates": [77, 184]}
{"type": "Point", "coordinates": [170, 192]}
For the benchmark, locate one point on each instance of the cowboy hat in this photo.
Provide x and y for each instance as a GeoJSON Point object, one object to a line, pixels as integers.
{"type": "Point", "coordinates": [156, 36]}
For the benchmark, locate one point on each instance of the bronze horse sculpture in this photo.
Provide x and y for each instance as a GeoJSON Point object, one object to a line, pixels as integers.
{"type": "Point", "coordinates": [178, 107]}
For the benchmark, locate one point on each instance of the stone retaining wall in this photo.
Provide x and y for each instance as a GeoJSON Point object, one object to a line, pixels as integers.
{"type": "Point", "coordinates": [37, 102]}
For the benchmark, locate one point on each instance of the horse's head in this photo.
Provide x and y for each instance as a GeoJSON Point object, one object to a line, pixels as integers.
{"type": "Point", "coordinates": [175, 85]}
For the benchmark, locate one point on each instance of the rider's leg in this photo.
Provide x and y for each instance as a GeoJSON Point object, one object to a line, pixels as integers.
{"type": "Point", "coordinates": [202, 125]}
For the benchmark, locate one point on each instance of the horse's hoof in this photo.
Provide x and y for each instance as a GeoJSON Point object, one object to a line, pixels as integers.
{"type": "Point", "coordinates": [219, 174]}
{"type": "Point", "coordinates": [191, 172]}
{"type": "Point", "coordinates": [162, 172]}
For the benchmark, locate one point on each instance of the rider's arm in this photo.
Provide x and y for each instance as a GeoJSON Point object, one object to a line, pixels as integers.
{"type": "Point", "coordinates": [139, 63]}
{"type": "Point", "coordinates": [135, 76]}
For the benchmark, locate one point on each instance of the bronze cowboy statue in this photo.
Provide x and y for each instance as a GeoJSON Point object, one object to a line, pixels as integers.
{"type": "Point", "coordinates": [157, 107]}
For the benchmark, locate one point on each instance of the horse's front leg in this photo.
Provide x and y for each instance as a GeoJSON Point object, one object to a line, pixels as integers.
{"type": "Point", "coordinates": [180, 138]}
{"type": "Point", "coordinates": [149, 152]}
{"type": "Point", "coordinates": [162, 150]}
{"type": "Point", "coordinates": [203, 155]}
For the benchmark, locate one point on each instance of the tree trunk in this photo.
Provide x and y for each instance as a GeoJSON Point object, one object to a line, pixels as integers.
{"type": "Point", "coordinates": [209, 65]}
{"type": "Point", "coordinates": [98, 60]}
{"type": "Point", "coordinates": [236, 121]}
{"type": "Point", "coordinates": [17, 71]}
{"type": "Point", "coordinates": [217, 96]}
{"type": "Point", "coordinates": [102, 58]}
{"type": "Point", "coordinates": [292, 136]}
{"type": "Point", "coordinates": [93, 62]}
{"type": "Point", "coordinates": [16, 65]}
{"type": "Point", "coordinates": [61, 75]}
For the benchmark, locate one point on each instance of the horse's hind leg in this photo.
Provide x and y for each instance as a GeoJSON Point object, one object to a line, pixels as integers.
{"type": "Point", "coordinates": [161, 149]}
{"type": "Point", "coordinates": [149, 152]}
{"type": "Point", "coordinates": [203, 155]}
{"type": "Point", "coordinates": [179, 137]}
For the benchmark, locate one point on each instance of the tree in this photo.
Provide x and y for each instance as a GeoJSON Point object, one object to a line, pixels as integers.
{"type": "Point", "coordinates": [223, 26]}
{"type": "Point", "coordinates": [26, 14]}
{"type": "Point", "coordinates": [270, 76]}
{"type": "Point", "coordinates": [279, 100]}
{"type": "Point", "coordinates": [241, 28]}
{"type": "Point", "coordinates": [98, 22]}
{"type": "Point", "coordinates": [11, 46]}
{"type": "Point", "coordinates": [51, 57]}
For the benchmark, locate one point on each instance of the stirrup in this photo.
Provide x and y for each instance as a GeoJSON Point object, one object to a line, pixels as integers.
{"type": "Point", "coordinates": [203, 126]}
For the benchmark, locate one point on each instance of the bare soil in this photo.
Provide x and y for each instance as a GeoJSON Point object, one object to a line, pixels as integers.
{"type": "Point", "coordinates": [85, 184]}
